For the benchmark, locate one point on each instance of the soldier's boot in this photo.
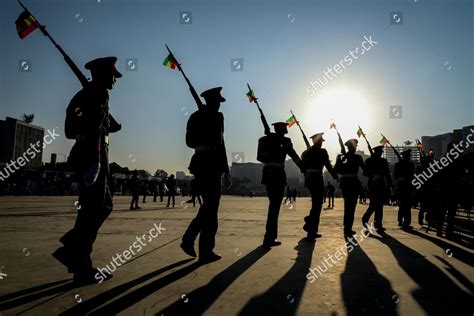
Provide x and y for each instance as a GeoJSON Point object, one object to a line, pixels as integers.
{"type": "Point", "coordinates": [308, 227]}
{"type": "Point", "coordinates": [271, 243]}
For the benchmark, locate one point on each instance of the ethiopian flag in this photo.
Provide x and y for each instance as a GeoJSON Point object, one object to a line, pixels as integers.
{"type": "Point", "coordinates": [170, 62]}
{"type": "Point", "coordinates": [383, 141]}
{"type": "Point", "coordinates": [25, 24]}
{"type": "Point", "coordinates": [360, 132]}
{"type": "Point", "coordinates": [291, 121]}
{"type": "Point", "coordinates": [251, 96]}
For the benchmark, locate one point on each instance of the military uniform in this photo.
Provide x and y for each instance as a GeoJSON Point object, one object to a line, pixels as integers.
{"type": "Point", "coordinates": [451, 188]}
{"type": "Point", "coordinates": [376, 168]}
{"type": "Point", "coordinates": [347, 166]}
{"type": "Point", "coordinates": [272, 151]}
{"type": "Point", "coordinates": [135, 190]}
{"type": "Point", "coordinates": [89, 122]}
{"type": "Point", "coordinates": [404, 172]}
{"type": "Point", "coordinates": [205, 134]}
{"type": "Point", "coordinates": [314, 160]}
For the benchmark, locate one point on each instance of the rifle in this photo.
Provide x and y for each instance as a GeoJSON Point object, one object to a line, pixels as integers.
{"type": "Point", "coordinates": [67, 59]}
{"type": "Point", "coordinates": [368, 144]}
{"type": "Point", "coordinates": [262, 116]}
{"type": "Point", "coordinates": [198, 101]}
{"type": "Point", "coordinates": [393, 148]}
{"type": "Point", "coordinates": [343, 149]}
{"type": "Point", "coordinates": [308, 146]}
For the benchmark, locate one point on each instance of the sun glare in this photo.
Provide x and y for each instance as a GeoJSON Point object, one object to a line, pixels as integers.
{"type": "Point", "coordinates": [346, 107]}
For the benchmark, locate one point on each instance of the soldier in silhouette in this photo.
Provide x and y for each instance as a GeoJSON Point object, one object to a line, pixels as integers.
{"type": "Point", "coordinates": [89, 122]}
{"type": "Point", "coordinates": [135, 190]}
{"type": "Point", "coordinates": [272, 151]}
{"type": "Point", "coordinates": [314, 160]}
{"type": "Point", "coordinates": [205, 134]}
{"type": "Point", "coordinates": [404, 172]}
{"type": "Point", "coordinates": [171, 185]}
{"type": "Point", "coordinates": [330, 192]}
{"type": "Point", "coordinates": [451, 186]}
{"type": "Point", "coordinates": [380, 182]}
{"type": "Point", "coordinates": [161, 189]}
{"type": "Point", "coordinates": [347, 165]}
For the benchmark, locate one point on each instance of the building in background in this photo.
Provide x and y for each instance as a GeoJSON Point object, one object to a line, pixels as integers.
{"type": "Point", "coordinates": [392, 158]}
{"type": "Point", "coordinates": [16, 136]}
{"type": "Point", "coordinates": [248, 170]}
{"type": "Point", "coordinates": [180, 175]}
{"type": "Point", "coordinates": [439, 143]}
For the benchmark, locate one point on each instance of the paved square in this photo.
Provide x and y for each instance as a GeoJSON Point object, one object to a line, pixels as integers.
{"type": "Point", "coordinates": [398, 273]}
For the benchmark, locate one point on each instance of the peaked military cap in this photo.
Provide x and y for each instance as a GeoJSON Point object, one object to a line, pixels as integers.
{"type": "Point", "coordinates": [352, 141]}
{"type": "Point", "coordinates": [213, 93]}
{"type": "Point", "coordinates": [104, 64]}
{"type": "Point", "coordinates": [317, 136]}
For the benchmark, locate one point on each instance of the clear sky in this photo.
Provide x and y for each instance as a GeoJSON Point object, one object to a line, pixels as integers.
{"type": "Point", "coordinates": [424, 65]}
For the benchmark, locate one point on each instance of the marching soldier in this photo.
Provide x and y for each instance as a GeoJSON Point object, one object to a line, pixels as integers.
{"type": "Point", "coordinates": [380, 182]}
{"type": "Point", "coordinates": [451, 187]}
{"type": "Point", "coordinates": [347, 165]}
{"type": "Point", "coordinates": [404, 172]}
{"type": "Point", "coordinates": [314, 160]}
{"type": "Point", "coordinates": [272, 151]}
{"type": "Point", "coordinates": [205, 133]}
{"type": "Point", "coordinates": [89, 122]}
{"type": "Point", "coordinates": [135, 190]}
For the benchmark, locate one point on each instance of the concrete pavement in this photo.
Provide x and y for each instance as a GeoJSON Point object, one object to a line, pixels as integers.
{"type": "Point", "coordinates": [396, 273]}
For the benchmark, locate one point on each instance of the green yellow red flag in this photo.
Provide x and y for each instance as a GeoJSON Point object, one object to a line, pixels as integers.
{"type": "Point", "coordinates": [25, 24]}
{"type": "Point", "coordinates": [383, 141]}
{"type": "Point", "coordinates": [170, 62]}
{"type": "Point", "coordinates": [251, 96]}
{"type": "Point", "coordinates": [291, 121]}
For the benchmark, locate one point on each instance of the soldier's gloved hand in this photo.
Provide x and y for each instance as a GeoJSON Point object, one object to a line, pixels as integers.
{"type": "Point", "coordinates": [91, 174]}
{"type": "Point", "coordinates": [227, 181]}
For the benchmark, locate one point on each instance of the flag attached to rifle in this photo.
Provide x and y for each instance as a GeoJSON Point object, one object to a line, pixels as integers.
{"type": "Point", "coordinates": [170, 62]}
{"type": "Point", "coordinates": [251, 96]}
{"type": "Point", "coordinates": [419, 145]}
{"type": "Point", "coordinates": [25, 24]}
{"type": "Point", "coordinates": [333, 125]}
{"type": "Point", "coordinates": [383, 141]}
{"type": "Point", "coordinates": [291, 121]}
{"type": "Point", "coordinates": [360, 132]}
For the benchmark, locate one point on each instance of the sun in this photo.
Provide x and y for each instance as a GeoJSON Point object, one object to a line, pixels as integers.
{"type": "Point", "coordinates": [347, 107]}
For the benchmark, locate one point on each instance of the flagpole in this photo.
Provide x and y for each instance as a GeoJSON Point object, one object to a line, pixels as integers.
{"type": "Point", "coordinates": [368, 145]}
{"type": "Point", "coordinates": [341, 144]}
{"type": "Point", "coordinates": [393, 148]}
{"type": "Point", "coordinates": [68, 59]}
{"type": "Point", "coordinates": [198, 101]}
{"type": "Point", "coordinates": [308, 146]}
{"type": "Point", "coordinates": [266, 127]}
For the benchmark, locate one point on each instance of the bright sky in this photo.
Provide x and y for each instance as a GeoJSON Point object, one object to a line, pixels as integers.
{"type": "Point", "coordinates": [424, 65]}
